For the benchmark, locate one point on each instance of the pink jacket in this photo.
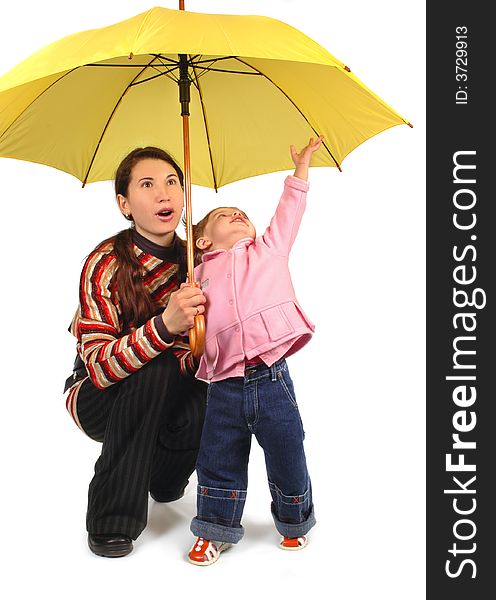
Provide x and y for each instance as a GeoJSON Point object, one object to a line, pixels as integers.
{"type": "Point", "coordinates": [251, 305]}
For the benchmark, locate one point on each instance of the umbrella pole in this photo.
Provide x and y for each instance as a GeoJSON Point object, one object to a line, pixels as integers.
{"type": "Point", "coordinates": [197, 332]}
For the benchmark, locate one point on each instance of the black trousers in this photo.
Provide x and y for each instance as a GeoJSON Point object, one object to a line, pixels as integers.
{"type": "Point", "coordinates": [150, 424]}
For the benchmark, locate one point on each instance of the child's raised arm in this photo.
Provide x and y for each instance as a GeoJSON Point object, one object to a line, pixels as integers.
{"type": "Point", "coordinates": [302, 159]}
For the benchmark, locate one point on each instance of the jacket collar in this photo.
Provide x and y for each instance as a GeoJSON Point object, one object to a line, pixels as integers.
{"type": "Point", "coordinates": [239, 244]}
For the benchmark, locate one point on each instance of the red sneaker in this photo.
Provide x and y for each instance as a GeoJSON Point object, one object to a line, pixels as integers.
{"type": "Point", "coordinates": [296, 543]}
{"type": "Point", "coordinates": [204, 552]}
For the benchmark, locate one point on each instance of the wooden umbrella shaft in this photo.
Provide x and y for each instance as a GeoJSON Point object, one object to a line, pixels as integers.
{"type": "Point", "coordinates": [187, 201]}
{"type": "Point", "coordinates": [197, 332]}
{"type": "Point", "coordinates": [184, 99]}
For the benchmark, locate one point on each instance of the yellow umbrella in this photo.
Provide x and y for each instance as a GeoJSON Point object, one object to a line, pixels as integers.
{"type": "Point", "coordinates": [252, 84]}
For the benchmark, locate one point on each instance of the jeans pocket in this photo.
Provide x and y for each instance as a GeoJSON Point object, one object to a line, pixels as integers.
{"type": "Point", "coordinates": [287, 385]}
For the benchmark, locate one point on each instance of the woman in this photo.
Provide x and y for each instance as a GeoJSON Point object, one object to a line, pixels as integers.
{"type": "Point", "coordinates": [133, 387]}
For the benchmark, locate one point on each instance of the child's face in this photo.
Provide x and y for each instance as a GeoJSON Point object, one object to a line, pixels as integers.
{"type": "Point", "coordinates": [225, 227]}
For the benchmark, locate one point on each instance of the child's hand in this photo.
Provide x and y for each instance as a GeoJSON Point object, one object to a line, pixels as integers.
{"type": "Point", "coordinates": [302, 159]}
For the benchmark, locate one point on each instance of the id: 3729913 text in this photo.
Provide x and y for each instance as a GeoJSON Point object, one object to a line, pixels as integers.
{"type": "Point", "coordinates": [461, 64]}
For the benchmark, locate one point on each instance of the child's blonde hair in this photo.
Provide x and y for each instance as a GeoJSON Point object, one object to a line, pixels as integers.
{"type": "Point", "coordinates": [198, 231]}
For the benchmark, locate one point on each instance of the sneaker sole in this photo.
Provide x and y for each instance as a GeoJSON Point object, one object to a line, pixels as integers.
{"type": "Point", "coordinates": [207, 563]}
{"type": "Point", "coordinates": [295, 549]}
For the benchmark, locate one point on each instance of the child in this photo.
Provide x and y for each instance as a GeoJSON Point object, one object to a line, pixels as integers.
{"type": "Point", "coordinates": [253, 321]}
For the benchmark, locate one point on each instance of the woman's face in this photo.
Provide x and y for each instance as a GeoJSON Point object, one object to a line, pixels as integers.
{"type": "Point", "coordinates": [154, 199]}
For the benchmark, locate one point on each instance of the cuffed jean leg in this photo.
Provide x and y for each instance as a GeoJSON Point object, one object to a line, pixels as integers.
{"type": "Point", "coordinates": [279, 430]}
{"type": "Point", "coordinates": [219, 514]}
{"type": "Point", "coordinates": [293, 515]}
{"type": "Point", "coordinates": [222, 465]}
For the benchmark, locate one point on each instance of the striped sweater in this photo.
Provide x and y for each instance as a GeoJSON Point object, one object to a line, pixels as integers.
{"type": "Point", "coordinates": [109, 355]}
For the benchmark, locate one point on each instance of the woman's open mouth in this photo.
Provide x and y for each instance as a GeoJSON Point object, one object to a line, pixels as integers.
{"type": "Point", "coordinates": [165, 215]}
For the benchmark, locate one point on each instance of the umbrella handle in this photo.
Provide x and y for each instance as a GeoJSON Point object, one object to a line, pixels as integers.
{"type": "Point", "coordinates": [197, 336]}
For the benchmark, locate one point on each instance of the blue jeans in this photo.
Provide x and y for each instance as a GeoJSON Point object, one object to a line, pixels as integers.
{"type": "Point", "coordinates": [262, 403]}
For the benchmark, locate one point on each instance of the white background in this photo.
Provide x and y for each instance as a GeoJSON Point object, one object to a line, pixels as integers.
{"type": "Point", "coordinates": [358, 267]}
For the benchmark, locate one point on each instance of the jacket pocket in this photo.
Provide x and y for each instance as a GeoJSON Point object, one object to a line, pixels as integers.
{"type": "Point", "coordinates": [276, 321]}
{"type": "Point", "coordinates": [211, 355]}
{"type": "Point", "coordinates": [223, 350]}
{"type": "Point", "coordinates": [269, 325]}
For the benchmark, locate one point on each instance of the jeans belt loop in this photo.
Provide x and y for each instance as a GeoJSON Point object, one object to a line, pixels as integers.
{"type": "Point", "coordinates": [273, 372]}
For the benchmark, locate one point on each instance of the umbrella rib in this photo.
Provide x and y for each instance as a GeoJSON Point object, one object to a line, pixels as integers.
{"type": "Point", "coordinates": [133, 65]}
{"type": "Point", "coordinates": [114, 65]}
{"type": "Point", "coordinates": [294, 104]}
{"type": "Point", "coordinates": [212, 61]}
{"type": "Point", "coordinates": [230, 71]}
{"type": "Point", "coordinates": [159, 74]}
{"type": "Point", "coordinates": [108, 122]}
{"type": "Point", "coordinates": [197, 85]}
{"type": "Point", "coordinates": [35, 99]}
{"type": "Point", "coordinates": [169, 67]}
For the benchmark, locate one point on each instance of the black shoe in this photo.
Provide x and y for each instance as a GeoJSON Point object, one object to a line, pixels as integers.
{"type": "Point", "coordinates": [167, 496]}
{"type": "Point", "coordinates": [111, 545]}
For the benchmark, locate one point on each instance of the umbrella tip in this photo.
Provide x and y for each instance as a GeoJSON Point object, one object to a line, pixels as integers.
{"type": "Point", "coordinates": [409, 124]}
{"type": "Point", "coordinates": [346, 68]}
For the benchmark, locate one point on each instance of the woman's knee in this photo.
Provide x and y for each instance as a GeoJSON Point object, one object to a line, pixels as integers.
{"type": "Point", "coordinates": [184, 414]}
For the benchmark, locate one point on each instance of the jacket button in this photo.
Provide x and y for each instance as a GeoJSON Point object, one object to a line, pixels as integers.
{"type": "Point", "coordinates": [229, 275]}
{"type": "Point", "coordinates": [230, 301]}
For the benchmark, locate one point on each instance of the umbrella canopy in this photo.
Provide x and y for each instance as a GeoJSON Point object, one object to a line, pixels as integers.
{"type": "Point", "coordinates": [252, 86]}
{"type": "Point", "coordinates": [81, 103]}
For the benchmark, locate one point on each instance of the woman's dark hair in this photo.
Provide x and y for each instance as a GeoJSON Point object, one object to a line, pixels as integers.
{"type": "Point", "coordinates": [124, 170]}
{"type": "Point", "coordinates": [136, 303]}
